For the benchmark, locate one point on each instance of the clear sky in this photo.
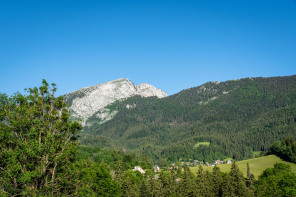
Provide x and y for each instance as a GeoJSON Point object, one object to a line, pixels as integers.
{"type": "Point", "coordinates": [171, 44]}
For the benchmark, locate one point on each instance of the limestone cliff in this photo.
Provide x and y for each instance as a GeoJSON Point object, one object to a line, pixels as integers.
{"type": "Point", "coordinates": [86, 102]}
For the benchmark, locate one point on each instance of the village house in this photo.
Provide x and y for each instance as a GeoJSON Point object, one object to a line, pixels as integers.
{"type": "Point", "coordinates": [138, 168]}
{"type": "Point", "coordinates": [156, 168]}
{"type": "Point", "coordinates": [218, 162]}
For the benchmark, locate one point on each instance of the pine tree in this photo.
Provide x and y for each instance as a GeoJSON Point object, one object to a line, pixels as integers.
{"type": "Point", "coordinates": [250, 179]}
{"type": "Point", "coordinates": [227, 189]}
{"type": "Point", "coordinates": [201, 181]}
{"type": "Point", "coordinates": [209, 185]}
{"type": "Point", "coordinates": [217, 181]}
{"type": "Point", "coordinates": [130, 189]}
{"type": "Point", "coordinates": [145, 188]}
{"type": "Point", "coordinates": [237, 181]}
{"type": "Point", "coordinates": [248, 171]}
{"type": "Point", "coordinates": [119, 172]}
{"type": "Point", "coordinates": [187, 183]}
{"type": "Point", "coordinates": [155, 185]}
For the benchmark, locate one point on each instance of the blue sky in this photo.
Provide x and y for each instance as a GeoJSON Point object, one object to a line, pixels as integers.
{"type": "Point", "coordinates": [171, 44]}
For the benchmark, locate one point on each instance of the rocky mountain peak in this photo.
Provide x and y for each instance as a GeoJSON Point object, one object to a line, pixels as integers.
{"type": "Point", "coordinates": [86, 102]}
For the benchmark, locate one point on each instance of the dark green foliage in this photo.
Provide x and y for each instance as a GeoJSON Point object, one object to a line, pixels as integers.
{"type": "Point", "coordinates": [111, 157]}
{"type": "Point", "coordinates": [217, 181]}
{"type": "Point", "coordinates": [201, 182]}
{"type": "Point", "coordinates": [278, 181]}
{"type": "Point", "coordinates": [155, 185]}
{"type": "Point", "coordinates": [37, 141]}
{"type": "Point", "coordinates": [145, 189]}
{"type": "Point", "coordinates": [285, 149]}
{"type": "Point", "coordinates": [38, 149]}
{"type": "Point", "coordinates": [236, 117]}
{"type": "Point", "coordinates": [187, 183]}
{"type": "Point", "coordinates": [236, 181]}
{"type": "Point", "coordinates": [168, 184]}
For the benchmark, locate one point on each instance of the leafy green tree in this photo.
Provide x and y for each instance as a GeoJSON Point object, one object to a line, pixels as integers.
{"type": "Point", "coordinates": [38, 149]}
{"type": "Point", "coordinates": [285, 149]}
{"type": "Point", "coordinates": [91, 179]}
{"type": "Point", "coordinates": [277, 181]}
{"type": "Point", "coordinates": [38, 141]}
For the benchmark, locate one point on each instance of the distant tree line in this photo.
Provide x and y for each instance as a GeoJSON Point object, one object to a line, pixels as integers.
{"type": "Point", "coordinates": [285, 149]}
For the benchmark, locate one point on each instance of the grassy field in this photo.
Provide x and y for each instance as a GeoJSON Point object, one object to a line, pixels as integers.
{"type": "Point", "coordinates": [202, 143]}
{"type": "Point", "coordinates": [257, 165]}
{"type": "Point", "coordinates": [256, 153]}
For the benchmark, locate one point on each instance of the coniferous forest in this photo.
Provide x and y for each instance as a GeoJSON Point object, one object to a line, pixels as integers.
{"type": "Point", "coordinates": [236, 118]}
{"type": "Point", "coordinates": [41, 154]}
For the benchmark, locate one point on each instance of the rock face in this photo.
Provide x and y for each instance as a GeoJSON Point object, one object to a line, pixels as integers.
{"type": "Point", "coordinates": [86, 102]}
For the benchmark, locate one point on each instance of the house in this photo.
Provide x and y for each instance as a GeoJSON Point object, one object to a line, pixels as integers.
{"type": "Point", "coordinates": [229, 161]}
{"type": "Point", "coordinates": [207, 164]}
{"type": "Point", "coordinates": [138, 168]}
{"type": "Point", "coordinates": [218, 162]}
{"type": "Point", "coordinates": [196, 161]}
{"type": "Point", "coordinates": [156, 168]}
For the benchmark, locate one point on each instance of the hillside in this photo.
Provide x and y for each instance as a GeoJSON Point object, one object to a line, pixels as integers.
{"type": "Point", "coordinates": [257, 165]}
{"type": "Point", "coordinates": [237, 117]}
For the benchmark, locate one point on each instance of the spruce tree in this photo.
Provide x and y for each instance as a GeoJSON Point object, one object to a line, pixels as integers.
{"type": "Point", "coordinates": [145, 188]}
{"type": "Point", "coordinates": [155, 185]}
{"type": "Point", "coordinates": [130, 189]}
{"type": "Point", "coordinates": [119, 172]}
{"type": "Point", "coordinates": [187, 183]}
{"type": "Point", "coordinates": [201, 181]}
{"type": "Point", "coordinates": [217, 181]}
{"type": "Point", "coordinates": [237, 181]}
{"type": "Point", "coordinates": [227, 189]}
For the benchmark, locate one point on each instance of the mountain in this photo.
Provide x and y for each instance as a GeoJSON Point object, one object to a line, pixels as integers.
{"type": "Point", "coordinates": [235, 118]}
{"type": "Point", "coordinates": [91, 101]}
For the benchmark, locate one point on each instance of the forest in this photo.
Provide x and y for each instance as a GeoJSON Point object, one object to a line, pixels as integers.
{"type": "Point", "coordinates": [41, 156]}
{"type": "Point", "coordinates": [236, 117]}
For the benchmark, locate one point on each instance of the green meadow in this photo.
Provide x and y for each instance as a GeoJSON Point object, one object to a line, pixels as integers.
{"type": "Point", "coordinates": [201, 143]}
{"type": "Point", "coordinates": [257, 165]}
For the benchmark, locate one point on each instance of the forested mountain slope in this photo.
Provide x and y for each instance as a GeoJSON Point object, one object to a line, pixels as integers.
{"type": "Point", "coordinates": [237, 117]}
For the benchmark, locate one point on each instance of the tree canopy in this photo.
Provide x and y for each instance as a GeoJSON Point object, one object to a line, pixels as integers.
{"type": "Point", "coordinates": [38, 148]}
